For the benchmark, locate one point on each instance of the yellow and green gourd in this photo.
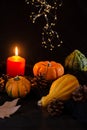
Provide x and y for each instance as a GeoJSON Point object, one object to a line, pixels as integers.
{"type": "Point", "coordinates": [18, 87]}
{"type": "Point", "coordinates": [61, 89]}
{"type": "Point", "coordinates": [76, 61]}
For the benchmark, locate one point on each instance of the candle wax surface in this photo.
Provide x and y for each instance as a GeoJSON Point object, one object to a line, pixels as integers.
{"type": "Point", "coordinates": [15, 66]}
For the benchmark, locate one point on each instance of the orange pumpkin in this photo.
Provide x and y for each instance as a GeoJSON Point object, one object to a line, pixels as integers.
{"type": "Point", "coordinates": [49, 70]}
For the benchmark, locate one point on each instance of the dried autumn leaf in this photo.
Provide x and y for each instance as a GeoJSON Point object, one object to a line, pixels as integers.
{"type": "Point", "coordinates": [8, 108]}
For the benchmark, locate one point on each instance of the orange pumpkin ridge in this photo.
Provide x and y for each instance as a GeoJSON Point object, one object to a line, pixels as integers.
{"type": "Point", "coordinates": [47, 66]}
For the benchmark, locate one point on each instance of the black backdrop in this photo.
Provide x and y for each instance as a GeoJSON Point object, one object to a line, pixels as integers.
{"type": "Point", "coordinates": [16, 27]}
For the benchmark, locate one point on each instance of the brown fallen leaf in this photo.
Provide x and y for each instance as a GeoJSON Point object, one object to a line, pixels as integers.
{"type": "Point", "coordinates": [9, 108]}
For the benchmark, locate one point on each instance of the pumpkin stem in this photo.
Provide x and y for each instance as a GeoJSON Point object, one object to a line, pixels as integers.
{"type": "Point", "coordinates": [16, 78]}
{"type": "Point", "coordinates": [49, 64]}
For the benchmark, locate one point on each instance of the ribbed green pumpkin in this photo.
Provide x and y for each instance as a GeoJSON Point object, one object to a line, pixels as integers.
{"type": "Point", "coordinates": [76, 61]}
{"type": "Point", "coordinates": [61, 89]}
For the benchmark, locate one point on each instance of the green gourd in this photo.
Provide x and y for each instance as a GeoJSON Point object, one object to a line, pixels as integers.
{"type": "Point", "coordinates": [76, 61]}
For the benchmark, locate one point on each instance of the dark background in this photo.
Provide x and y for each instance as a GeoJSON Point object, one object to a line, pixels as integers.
{"type": "Point", "coordinates": [15, 27]}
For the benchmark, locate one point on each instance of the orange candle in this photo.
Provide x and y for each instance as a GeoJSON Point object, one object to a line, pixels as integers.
{"type": "Point", "coordinates": [15, 65]}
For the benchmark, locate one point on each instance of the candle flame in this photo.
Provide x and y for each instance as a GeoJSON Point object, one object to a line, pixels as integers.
{"type": "Point", "coordinates": [16, 51]}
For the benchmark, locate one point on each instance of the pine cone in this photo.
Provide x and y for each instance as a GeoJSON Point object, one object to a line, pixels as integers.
{"type": "Point", "coordinates": [55, 107]}
{"type": "Point", "coordinates": [40, 82]}
{"type": "Point", "coordinates": [3, 79]}
{"type": "Point", "coordinates": [80, 94]}
{"type": "Point", "coordinates": [39, 85]}
{"type": "Point", "coordinates": [1, 84]}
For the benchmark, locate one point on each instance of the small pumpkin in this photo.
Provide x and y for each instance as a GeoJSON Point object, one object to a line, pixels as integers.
{"type": "Point", "coordinates": [61, 89]}
{"type": "Point", "coordinates": [18, 87]}
{"type": "Point", "coordinates": [49, 70]}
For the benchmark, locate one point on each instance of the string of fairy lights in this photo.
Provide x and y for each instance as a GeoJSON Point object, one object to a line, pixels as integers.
{"type": "Point", "coordinates": [47, 9]}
